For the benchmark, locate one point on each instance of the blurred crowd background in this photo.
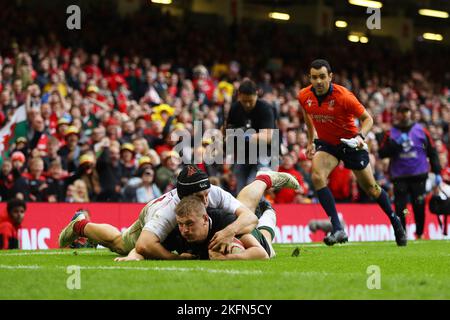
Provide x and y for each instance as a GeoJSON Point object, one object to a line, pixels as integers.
{"type": "Point", "coordinates": [93, 113]}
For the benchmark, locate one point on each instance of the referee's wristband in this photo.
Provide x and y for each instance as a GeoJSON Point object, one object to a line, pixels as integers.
{"type": "Point", "coordinates": [361, 135]}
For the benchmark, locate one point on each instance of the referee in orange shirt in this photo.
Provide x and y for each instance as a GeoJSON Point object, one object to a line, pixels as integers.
{"type": "Point", "coordinates": [330, 111]}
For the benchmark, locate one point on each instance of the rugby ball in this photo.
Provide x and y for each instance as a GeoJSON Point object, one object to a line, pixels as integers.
{"type": "Point", "coordinates": [236, 246]}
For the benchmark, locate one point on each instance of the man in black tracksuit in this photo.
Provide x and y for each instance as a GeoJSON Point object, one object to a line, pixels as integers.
{"type": "Point", "coordinates": [110, 172]}
{"type": "Point", "coordinates": [250, 113]}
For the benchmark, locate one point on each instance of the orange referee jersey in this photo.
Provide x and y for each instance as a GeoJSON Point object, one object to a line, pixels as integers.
{"type": "Point", "coordinates": [335, 117]}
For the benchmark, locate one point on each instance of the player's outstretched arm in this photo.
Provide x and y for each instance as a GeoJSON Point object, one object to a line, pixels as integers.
{"type": "Point", "coordinates": [245, 223]}
{"type": "Point", "coordinates": [132, 256]}
{"type": "Point", "coordinates": [150, 247]}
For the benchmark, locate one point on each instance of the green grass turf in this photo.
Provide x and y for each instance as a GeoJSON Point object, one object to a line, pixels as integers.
{"type": "Point", "coordinates": [419, 271]}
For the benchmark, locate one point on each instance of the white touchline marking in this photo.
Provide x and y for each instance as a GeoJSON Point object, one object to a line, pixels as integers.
{"type": "Point", "coordinates": [356, 243]}
{"type": "Point", "coordinates": [2, 266]}
{"type": "Point", "coordinates": [293, 245]}
{"type": "Point", "coordinates": [49, 252]}
{"type": "Point", "coordinates": [198, 269]}
{"type": "Point", "coordinates": [308, 273]}
{"type": "Point", "coordinates": [281, 245]}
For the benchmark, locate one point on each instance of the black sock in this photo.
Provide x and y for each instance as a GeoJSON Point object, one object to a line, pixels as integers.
{"type": "Point", "coordinates": [385, 204]}
{"type": "Point", "coordinates": [327, 201]}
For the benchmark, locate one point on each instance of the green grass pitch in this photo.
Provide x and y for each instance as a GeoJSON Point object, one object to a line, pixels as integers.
{"type": "Point", "coordinates": [419, 271]}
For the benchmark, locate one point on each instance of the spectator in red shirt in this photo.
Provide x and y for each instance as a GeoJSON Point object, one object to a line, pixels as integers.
{"type": "Point", "coordinates": [10, 224]}
{"type": "Point", "coordinates": [18, 161]}
{"type": "Point", "coordinates": [174, 85]}
{"type": "Point", "coordinates": [286, 195]}
{"type": "Point", "coordinates": [443, 160]}
{"type": "Point", "coordinates": [2, 117]}
{"type": "Point", "coordinates": [115, 78]}
{"type": "Point", "coordinates": [92, 69]}
{"type": "Point", "coordinates": [96, 103]}
{"type": "Point", "coordinates": [167, 143]}
{"type": "Point", "coordinates": [60, 133]}
{"type": "Point", "coordinates": [204, 86]}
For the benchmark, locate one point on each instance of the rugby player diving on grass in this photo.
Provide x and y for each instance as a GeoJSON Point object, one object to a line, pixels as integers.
{"type": "Point", "coordinates": [158, 219]}
{"type": "Point", "coordinates": [197, 225]}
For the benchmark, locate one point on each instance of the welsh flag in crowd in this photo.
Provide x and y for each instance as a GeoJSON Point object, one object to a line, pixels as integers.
{"type": "Point", "coordinates": [16, 127]}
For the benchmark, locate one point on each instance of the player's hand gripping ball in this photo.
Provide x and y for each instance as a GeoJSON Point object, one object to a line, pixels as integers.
{"type": "Point", "coordinates": [236, 246]}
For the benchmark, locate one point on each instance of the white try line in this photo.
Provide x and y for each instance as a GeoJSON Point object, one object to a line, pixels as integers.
{"type": "Point", "coordinates": [3, 266]}
{"type": "Point", "coordinates": [356, 243]}
{"type": "Point", "coordinates": [169, 269]}
{"type": "Point", "coordinates": [177, 269]}
{"type": "Point", "coordinates": [49, 252]}
{"type": "Point", "coordinates": [315, 244]}
{"type": "Point", "coordinates": [197, 269]}
{"type": "Point", "coordinates": [309, 273]}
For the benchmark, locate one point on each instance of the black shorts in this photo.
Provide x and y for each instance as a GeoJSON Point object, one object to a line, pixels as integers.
{"type": "Point", "coordinates": [353, 159]}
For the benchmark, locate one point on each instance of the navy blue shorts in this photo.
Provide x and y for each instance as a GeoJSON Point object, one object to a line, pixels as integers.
{"type": "Point", "coordinates": [353, 159]}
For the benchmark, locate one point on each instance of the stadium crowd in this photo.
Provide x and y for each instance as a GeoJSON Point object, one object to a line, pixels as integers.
{"type": "Point", "coordinates": [98, 121]}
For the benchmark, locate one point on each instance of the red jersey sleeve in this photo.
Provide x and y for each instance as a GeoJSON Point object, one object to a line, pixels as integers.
{"type": "Point", "coordinates": [300, 98]}
{"type": "Point", "coordinates": [353, 106]}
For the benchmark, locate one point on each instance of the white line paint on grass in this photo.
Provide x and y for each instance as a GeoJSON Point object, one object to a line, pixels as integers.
{"type": "Point", "coordinates": [178, 269]}
{"type": "Point", "coordinates": [282, 245]}
{"type": "Point", "coordinates": [2, 266]}
{"type": "Point", "coordinates": [359, 243]}
{"type": "Point", "coordinates": [164, 269]}
{"type": "Point", "coordinates": [49, 252]}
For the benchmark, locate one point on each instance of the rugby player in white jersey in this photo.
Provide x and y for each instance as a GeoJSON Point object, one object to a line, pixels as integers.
{"type": "Point", "coordinates": [157, 219]}
{"type": "Point", "coordinates": [198, 224]}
